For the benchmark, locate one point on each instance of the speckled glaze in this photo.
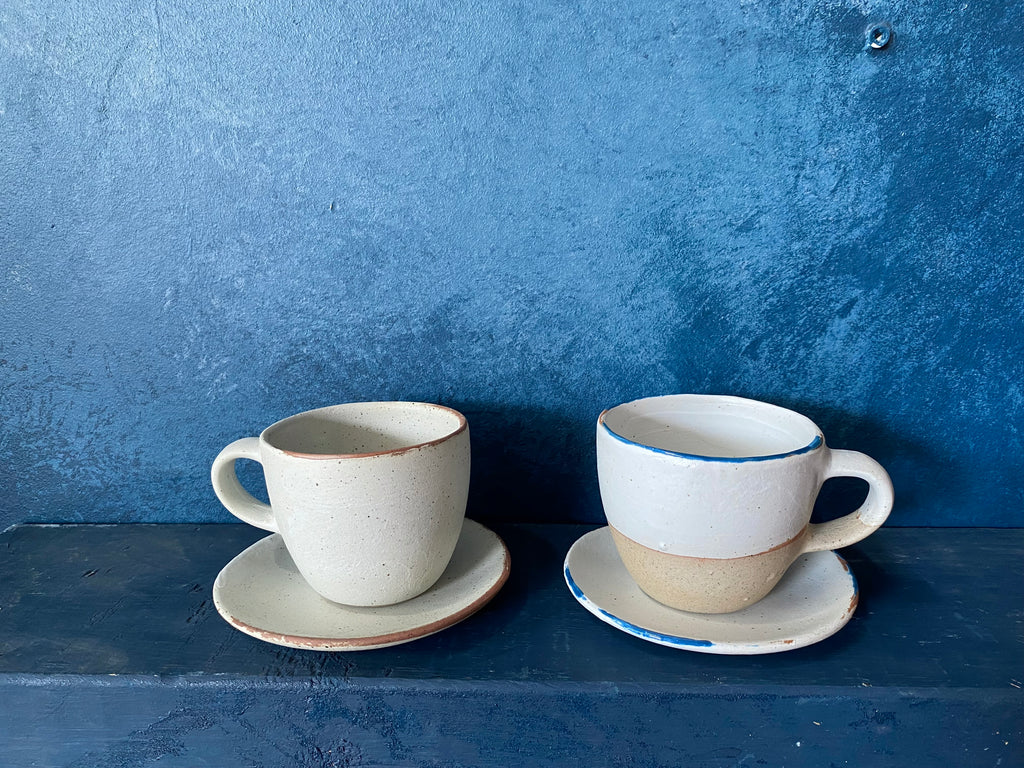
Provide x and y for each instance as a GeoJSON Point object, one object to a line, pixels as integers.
{"type": "Point", "coordinates": [815, 599]}
{"type": "Point", "coordinates": [261, 593]}
{"type": "Point", "coordinates": [369, 498]}
{"type": "Point", "coordinates": [709, 497]}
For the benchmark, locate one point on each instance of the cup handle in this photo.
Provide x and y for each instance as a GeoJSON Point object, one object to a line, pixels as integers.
{"type": "Point", "coordinates": [240, 502]}
{"type": "Point", "coordinates": [862, 522]}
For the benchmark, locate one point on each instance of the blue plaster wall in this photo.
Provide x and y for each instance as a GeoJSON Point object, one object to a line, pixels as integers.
{"type": "Point", "coordinates": [213, 215]}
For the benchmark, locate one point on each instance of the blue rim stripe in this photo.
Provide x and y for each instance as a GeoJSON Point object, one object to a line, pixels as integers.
{"type": "Point", "coordinates": [816, 442]}
{"type": "Point", "coordinates": [629, 627]}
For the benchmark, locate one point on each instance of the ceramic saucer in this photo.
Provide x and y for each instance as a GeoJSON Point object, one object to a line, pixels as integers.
{"type": "Point", "coordinates": [815, 599]}
{"type": "Point", "coordinates": [261, 593]}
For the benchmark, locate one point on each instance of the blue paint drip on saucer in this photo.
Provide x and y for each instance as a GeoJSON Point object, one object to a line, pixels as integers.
{"type": "Point", "coordinates": [851, 574]}
{"type": "Point", "coordinates": [631, 628]}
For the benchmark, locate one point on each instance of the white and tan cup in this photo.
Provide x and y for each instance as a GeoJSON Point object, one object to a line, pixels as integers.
{"type": "Point", "coordinates": [709, 498]}
{"type": "Point", "coordinates": [369, 497]}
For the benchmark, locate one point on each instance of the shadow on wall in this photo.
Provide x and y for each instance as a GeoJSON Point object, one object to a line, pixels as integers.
{"type": "Point", "coordinates": [531, 464]}
{"type": "Point", "coordinates": [534, 464]}
{"type": "Point", "coordinates": [539, 465]}
{"type": "Point", "coordinates": [903, 459]}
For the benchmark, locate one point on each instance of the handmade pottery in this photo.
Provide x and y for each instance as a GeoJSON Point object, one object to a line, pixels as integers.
{"type": "Point", "coordinates": [709, 498]}
{"type": "Point", "coordinates": [815, 599]}
{"type": "Point", "coordinates": [369, 498]}
{"type": "Point", "coordinates": [261, 593]}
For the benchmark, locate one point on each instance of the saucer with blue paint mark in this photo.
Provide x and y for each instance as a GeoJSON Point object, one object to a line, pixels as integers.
{"type": "Point", "coordinates": [814, 600]}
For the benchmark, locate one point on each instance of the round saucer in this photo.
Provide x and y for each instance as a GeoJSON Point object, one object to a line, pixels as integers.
{"type": "Point", "coordinates": [261, 593]}
{"type": "Point", "coordinates": [815, 599]}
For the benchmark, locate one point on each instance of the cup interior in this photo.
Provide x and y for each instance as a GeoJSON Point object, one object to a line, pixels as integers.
{"type": "Point", "coordinates": [362, 429]}
{"type": "Point", "coordinates": [712, 427]}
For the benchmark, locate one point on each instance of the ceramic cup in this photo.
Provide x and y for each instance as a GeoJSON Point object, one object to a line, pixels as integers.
{"type": "Point", "coordinates": [369, 498]}
{"type": "Point", "coordinates": [709, 498]}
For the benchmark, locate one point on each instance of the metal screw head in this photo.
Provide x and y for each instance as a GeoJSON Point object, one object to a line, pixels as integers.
{"type": "Point", "coordinates": [879, 34]}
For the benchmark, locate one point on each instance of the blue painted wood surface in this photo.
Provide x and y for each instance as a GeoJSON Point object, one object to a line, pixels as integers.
{"type": "Point", "coordinates": [111, 654]}
{"type": "Point", "coordinates": [217, 214]}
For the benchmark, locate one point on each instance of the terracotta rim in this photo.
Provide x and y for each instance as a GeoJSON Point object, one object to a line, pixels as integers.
{"type": "Point", "coordinates": [391, 638]}
{"type": "Point", "coordinates": [463, 425]}
{"type": "Point", "coordinates": [379, 641]}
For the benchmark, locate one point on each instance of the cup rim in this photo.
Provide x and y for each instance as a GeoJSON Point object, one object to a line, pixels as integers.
{"type": "Point", "coordinates": [816, 442]}
{"type": "Point", "coordinates": [461, 426]}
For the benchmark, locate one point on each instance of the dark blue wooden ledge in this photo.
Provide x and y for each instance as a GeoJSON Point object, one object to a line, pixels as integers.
{"type": "Point", "coordinates": [112, 654]}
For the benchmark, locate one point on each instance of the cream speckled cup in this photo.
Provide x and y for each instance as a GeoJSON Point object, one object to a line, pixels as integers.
{"type": "Point", "coordinates": [369, 498]}
{"type": "Point", "coordinates": [709, 498]}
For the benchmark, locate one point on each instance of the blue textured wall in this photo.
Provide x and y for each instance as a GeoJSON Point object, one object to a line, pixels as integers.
{"type": "Point", "coordinates": [213, 215]}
